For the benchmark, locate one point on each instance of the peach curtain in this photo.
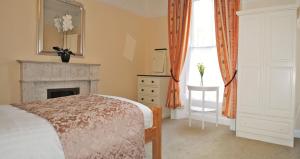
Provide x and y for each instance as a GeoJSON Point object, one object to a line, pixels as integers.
{"type": "Point", "coordinates": [226, 23]}
{"type": "Point", "coordinates": [179, 17]}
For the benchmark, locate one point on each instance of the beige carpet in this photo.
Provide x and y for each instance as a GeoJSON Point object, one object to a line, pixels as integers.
{"type": "Point", "coordinates": [182, 142]}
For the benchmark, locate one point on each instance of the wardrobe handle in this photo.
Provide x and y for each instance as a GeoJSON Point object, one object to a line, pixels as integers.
{"type": "Point", "coordinates": [152, 100]}
{"type": "Point", "coordinates": [142, 98]}
{"type": "Point", "coordinates": [142, 90]}
{"type": "Point", "coordinates": [152, 81]}
{"type": "Point", "coordinates": [152, 91]}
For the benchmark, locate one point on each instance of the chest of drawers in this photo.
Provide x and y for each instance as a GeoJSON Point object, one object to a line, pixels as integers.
{"type": "Point", "coordinates": [152, 91]}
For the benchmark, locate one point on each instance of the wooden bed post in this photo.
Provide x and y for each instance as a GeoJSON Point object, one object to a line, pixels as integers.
{"type": "Point", "coordinates": [153, 134]}
{"type": "Point", "coordinates": [156, 142]}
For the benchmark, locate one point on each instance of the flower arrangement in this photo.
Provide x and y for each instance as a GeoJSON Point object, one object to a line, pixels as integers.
{"type": "Point", "coordinates": [65, 54]}
{"type": "Point", "coordinates": [201, 69]}
{"type": "Point", "coordinates": [63, 24]}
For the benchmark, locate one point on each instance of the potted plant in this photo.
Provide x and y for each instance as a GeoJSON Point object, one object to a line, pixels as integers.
{"type": "Point", "coordinates": [63, 53]}
{"type": "Point", "coordinates": [201, 69]}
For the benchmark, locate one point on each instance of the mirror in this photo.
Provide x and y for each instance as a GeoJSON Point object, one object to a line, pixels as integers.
{"type": "Point", "coordinates": [61, 24]}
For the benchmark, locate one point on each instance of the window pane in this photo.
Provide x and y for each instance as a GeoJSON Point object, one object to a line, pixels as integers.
{"type": "Point", "coordinates": [203, 24]}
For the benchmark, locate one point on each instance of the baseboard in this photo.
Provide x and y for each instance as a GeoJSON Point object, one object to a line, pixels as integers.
{"type": "Point", "coordinates": [212, 119]}
{"type": "Point", "coordinates": [183, 114]}
{"type": "Point", "coordinates": [297, 133]}
{"type": "Point", "coordinates": [178, 114]}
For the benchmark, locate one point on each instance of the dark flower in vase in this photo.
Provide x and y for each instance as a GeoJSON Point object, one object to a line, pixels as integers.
{"type": "Point", "coordinates": [63, 53]}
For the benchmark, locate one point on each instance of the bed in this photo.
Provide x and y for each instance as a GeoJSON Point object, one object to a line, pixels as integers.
{"type": "Point", "coordinates": [35, 134]}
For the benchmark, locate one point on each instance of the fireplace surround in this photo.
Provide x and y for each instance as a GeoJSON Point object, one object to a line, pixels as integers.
{"type": "Point", "coordinates": [38, 77]}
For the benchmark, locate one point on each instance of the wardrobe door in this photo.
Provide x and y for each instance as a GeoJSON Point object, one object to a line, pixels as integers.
{"type": "Point", "coordinates": [280, 63]}
{"type": "Point", "coordinates": [250, 64]}
{"type": "Point", "coordinates": [280, 69]}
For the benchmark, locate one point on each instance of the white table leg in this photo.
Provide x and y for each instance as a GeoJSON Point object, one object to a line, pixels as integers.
{"type": "Point", "coordinates": [189, 107]}
{"type": "Point", "coordinates": [203, 108]}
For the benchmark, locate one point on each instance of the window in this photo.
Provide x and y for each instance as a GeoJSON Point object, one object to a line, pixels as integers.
{"type": "Point", "coordinates": [203, 50]}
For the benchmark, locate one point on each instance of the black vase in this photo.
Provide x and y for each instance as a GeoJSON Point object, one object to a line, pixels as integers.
{"type": "Point", "coordinates": [65, 58]}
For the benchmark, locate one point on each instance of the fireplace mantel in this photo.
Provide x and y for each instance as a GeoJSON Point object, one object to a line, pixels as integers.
{"type": "Point", "coordinates": [36, 77]}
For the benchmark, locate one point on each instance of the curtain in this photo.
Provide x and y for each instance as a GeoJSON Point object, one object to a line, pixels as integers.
{"type": "Point", "coordinates": [226, 26]}
{"type": "Point", "coordinates": [179, 15]}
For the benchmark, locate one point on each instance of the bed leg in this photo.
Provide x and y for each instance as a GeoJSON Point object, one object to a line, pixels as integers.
{"type": "Point", "coordinates": [156, 142]}
{"type": "Point", "coordinates": [156, 149]}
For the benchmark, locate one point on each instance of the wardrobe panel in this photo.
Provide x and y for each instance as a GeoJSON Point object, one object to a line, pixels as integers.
{"type": "Point", "coordinates": [281, 36]}
{"type": "Point", "coordinates": [249, 99]}
{"type": "Point", "coordinates": [250, 55]}
{"type": "Point", "coordinates": [280, 92]}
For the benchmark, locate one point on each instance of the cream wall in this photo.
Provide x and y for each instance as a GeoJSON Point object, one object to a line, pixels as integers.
{"type": "Point", "coordinates": [156, 36]}
{"type": "Point", "coordinates": [106, 30]}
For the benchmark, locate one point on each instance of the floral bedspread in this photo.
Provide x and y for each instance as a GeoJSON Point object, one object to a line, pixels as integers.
{"type": "Point", "coordinates": [94, 127]}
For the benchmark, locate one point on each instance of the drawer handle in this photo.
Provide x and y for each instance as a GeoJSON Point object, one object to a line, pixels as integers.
{"type": "Point", "coordinates": [142, 98]}
{"type": "Point", "coordinates": [142, 90]}
{"type": "Point", "coordinates": [152, 81]}
{"type": "Point", "coordinates": [152, 91]}
{"type": "Point", "coordinates": [142, 80]}
{"type": "Point", "coordinates": [152, 100]}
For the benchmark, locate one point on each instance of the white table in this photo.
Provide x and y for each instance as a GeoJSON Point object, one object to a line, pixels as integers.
{"type": "Point", "coordinates": [203, 109]}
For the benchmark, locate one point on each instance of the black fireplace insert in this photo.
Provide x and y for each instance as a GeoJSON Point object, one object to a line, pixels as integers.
{"type": "Point", "coordinates": [62, 92]}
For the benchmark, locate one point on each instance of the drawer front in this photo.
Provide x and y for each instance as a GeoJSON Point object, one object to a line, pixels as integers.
{"type": "Point", "coordinates": [153, 100]}
{"type": "Point", "coordinates": [143, 99]}
{"type": "Point", "coordinates": [265, 126]}
{"type": "Point", "coordinates": [148, 100]}
{"type": "Point", "coordinates": [153, 91]}
{"type": "Point", "coordinates": [148, 81]}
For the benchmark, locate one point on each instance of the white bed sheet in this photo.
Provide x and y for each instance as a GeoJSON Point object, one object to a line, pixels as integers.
{"type": "Point", "coordinates": [26, 136]}
{"type": "Point", "coordinates": [148, 115]}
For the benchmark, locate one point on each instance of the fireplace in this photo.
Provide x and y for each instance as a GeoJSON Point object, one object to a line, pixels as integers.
{"type": "Point", "coordinates": [61, 92]}
{"type": "Point", "coordinates": [37, 77]}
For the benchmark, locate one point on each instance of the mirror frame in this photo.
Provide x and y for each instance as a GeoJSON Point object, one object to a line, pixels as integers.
{"type": "Point", "coordinates": [40, 27]}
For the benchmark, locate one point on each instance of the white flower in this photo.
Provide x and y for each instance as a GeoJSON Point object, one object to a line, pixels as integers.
{"type": "Point", "coordinates": [57, 23]}
{"type": "Point", "coordinates": [67, 22]}
{"type": "Point", "coordinates": [63, 23]}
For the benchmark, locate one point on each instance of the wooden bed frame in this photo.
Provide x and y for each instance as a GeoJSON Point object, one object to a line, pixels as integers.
{"type": "Point", "coordinates": [153, 134]}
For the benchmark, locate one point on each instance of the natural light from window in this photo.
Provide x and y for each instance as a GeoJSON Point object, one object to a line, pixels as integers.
{"type": "Point", "coordinates": [203, 49]}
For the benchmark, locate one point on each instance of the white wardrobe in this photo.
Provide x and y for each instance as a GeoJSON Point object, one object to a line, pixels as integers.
{"type": "Point", "coordinates": [267, 74]}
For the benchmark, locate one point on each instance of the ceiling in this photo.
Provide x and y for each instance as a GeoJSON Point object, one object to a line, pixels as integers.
{"type": "Point", "coordinates": [146, 8]}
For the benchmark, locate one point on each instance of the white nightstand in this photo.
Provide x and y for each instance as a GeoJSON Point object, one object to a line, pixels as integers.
{"type": "Point", "coordinates": [202, 109]}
